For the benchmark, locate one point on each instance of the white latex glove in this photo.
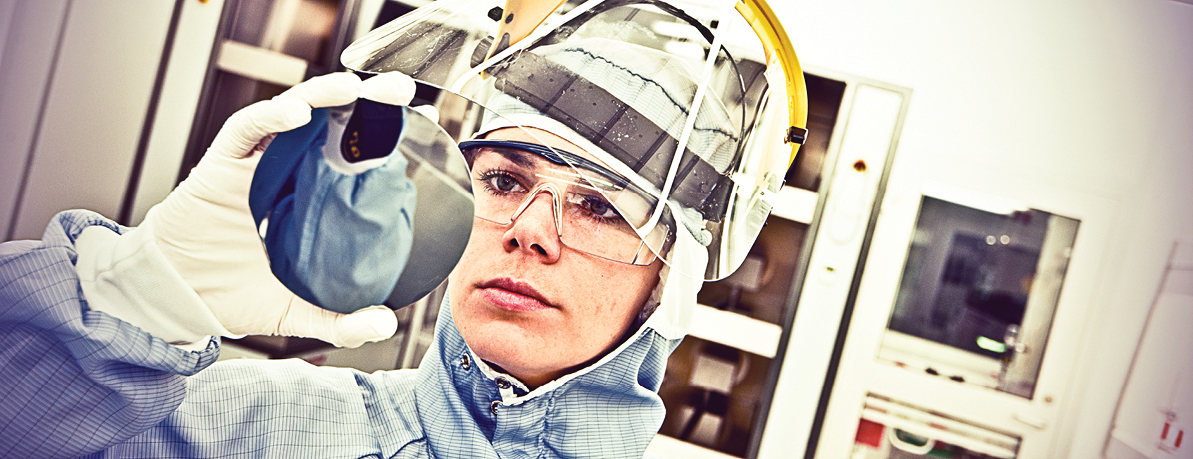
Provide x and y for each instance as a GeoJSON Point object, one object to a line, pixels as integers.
{"type": "Point", "coordinates": [205, 231]}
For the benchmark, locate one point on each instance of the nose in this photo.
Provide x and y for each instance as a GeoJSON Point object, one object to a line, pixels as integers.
{"type": "Point", "coordinates": [534, 230]}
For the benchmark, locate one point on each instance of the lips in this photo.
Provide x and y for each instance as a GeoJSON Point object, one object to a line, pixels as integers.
{"type": "Point", "coordinates": [509, 294]}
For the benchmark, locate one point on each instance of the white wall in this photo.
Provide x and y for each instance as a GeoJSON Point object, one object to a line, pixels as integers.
{"type": "Point", "coordinates": [31, 34]}
{"type": "Point", "coordinates": [1094, 97]}
{"type": "Point", "coordinates": [81, 110]}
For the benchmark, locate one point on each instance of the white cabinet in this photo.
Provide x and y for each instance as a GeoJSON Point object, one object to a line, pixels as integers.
{"type": "Point", "coordinates": [82, 85]}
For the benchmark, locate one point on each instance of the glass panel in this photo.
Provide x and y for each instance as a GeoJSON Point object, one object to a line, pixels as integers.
{"type": "Point", "coordinates": [761, 287]}
{"type": "Point", "coordinates": [712, 390]}
{"type": "Point", "coordinates": [306, 29]}
{"type": "Point", "coordinates": [978, 293]}
{"type": "Point", "coordinates": [878, 441]}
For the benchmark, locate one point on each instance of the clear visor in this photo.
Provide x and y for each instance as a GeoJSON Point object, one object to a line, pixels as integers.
{"type": "Point", "coordinates": [676, 110]}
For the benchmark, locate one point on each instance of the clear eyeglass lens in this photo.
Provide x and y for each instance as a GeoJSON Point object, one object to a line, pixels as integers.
{"type": "Point", "coordinates": [504, 181]}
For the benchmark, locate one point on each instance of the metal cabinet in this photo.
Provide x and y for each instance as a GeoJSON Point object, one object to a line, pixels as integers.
{"type": "Point", "coordinates": [728, 388]}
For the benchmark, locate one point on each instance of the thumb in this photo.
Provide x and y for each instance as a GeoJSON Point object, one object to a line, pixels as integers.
{"type": "Point", "coordinates": [394, 88]}
{"type": "Point", "coordinates": [290, 109]}
{"type": "Point", "coordinates": [248, 126]}
{"type": "Point", "coordinates": [343, 330]}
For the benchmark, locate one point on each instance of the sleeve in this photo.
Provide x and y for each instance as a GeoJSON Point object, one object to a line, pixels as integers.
{"type": "Point", "coordinates": [286, 408]}
{"type": "Point", "coordinates": [76, 380]}
{"type": "Point", "coordinates": [127, 277]}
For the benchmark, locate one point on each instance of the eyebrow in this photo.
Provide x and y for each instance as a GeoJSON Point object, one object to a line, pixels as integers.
{"type": "Point", "coordinates": [531, 160]}
{"type": "Point", "coordinates": [528, 159]}
{"type": "Point", "coordinates": [516, 152]}
{"type": "Point", "coordinates": [519, 157]}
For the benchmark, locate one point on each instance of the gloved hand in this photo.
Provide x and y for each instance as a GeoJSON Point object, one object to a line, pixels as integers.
{"type": "Point", "coordinates": [205, 231]}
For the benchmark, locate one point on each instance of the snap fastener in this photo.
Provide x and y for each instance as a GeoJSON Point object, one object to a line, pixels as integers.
{"type": "Point", "coordinates": [502, 383]}
{"type": "Point", "coordinates": [465, 362]}
{"type": "Point", "coordinates": [493, 406]}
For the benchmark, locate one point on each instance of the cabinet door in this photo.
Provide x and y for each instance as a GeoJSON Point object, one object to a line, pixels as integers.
{"type": "Point", "coordinates": [1155, 411]}
{"type": "Point", "coordinates": [970, 307]}
{"type": "Point", "coordinates": [872, 120]}
{"type": "Point", "coordinates": [721, 379]}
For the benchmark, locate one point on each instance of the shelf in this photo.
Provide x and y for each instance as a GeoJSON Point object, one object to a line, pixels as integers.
{"type": "Point", "coordinates": [669, 447]}
{"type": "Point", "coordinates": [261, 64]}
{"type": "Point", "coordinates": [796, 204]}
{"type": "Point", "coordinates": [735, 330]}
{"type": "Point", "coordinates": [938, 428]}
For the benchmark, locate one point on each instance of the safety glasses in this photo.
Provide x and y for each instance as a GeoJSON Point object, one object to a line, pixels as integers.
{"type": "Point", "coordinates": [594, 209]}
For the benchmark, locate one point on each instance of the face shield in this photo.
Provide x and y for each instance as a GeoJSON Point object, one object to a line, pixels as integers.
{"type": "Point", "coordinates": [678, 116]}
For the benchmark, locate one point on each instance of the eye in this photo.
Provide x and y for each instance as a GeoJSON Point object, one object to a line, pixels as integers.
{"type": "Point", "coordinates": [503, 183]}
{"type": "Point", "coordinates": [599, 207]}
{"type": "Point", "coordinates": [499, 181]}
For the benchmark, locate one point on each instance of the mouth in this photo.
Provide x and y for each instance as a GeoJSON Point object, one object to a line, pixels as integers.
{"type": "Point", "coordinates": [509, 294]}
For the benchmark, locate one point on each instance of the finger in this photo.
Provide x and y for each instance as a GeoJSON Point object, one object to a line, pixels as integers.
{"type": "Point", "coordinates": [331, 90]}
{"type": "Point", "coordinates": [428, 111]}
{"type": "Point", "coordinates": [394, 88]}
{"type": "Point", "coordinates": [344, 330]}
{"type": "Point", "coordinates": [248, 126]}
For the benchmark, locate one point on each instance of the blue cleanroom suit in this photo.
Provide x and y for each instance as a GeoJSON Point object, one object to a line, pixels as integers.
{"type": "Point", "coordinates": [74, 382]}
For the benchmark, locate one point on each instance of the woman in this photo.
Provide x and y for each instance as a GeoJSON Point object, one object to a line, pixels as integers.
{"type": "Point", "coordinates": [572, 291]}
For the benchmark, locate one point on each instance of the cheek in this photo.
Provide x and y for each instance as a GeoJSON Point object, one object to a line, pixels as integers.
{"type": "Point", "coordinates": [464, 275]}
{"type": "Point", "coordinates": [476, 238]}
{"type": "Point", "coordinates": [474, 258]}
{"type": "Point", "coordinates": [640, 281]}
{"type": "Point", "coordinates": [619, 292]}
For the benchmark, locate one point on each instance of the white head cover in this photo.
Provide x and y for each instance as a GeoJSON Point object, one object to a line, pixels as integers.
{"type": "Point", "coordinates": [682, 100]}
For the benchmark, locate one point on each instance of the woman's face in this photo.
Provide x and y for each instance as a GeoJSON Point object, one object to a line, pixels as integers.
{"type": "Point", "coordinates": [533, 306]}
